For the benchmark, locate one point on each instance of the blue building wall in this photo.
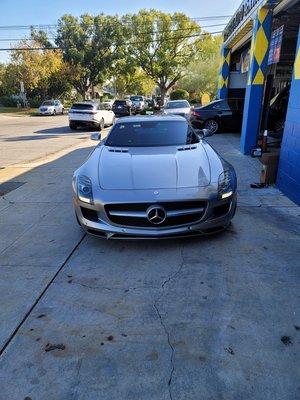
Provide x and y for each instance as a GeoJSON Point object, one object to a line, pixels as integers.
{"type": "Point", "coordinates": [288, 179]}
{"type": "Point", "coordinates": [256, 78]}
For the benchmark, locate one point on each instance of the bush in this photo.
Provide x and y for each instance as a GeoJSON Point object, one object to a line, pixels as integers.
{"type": "Point", "coordinates": [7, 101]}
{"type": "Point", "coordinates": [179, 94]}
{"type": "Point", "coordinates": [34, 103]}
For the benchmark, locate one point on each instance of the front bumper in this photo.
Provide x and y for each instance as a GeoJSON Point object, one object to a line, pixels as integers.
{"type": "Point", "coordinates": [48, 112]}
{"type": "Point", "coordinates": [210, 223]}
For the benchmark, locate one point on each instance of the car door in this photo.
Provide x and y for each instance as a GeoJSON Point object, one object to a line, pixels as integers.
{"type": "Point", "coordinates": [56, 107]}
{"type": "Point", "coordinates": [223, 113]}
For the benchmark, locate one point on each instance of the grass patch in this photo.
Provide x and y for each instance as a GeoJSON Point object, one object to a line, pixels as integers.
{"type": "Point", "coordinates": [18, 111]}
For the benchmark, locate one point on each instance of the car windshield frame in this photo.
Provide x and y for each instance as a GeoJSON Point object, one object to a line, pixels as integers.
{"type": "Point", "coordinates": [174, 104]}
{"type": "Point", "coordinates": [179, 138]}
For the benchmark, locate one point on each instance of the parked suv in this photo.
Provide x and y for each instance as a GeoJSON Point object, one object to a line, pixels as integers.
{"type": "Point", "coordinates": [122, 107]}
{"type": "Point", "coordinates": [90, 114]}
{"type": "Point", "coordinates": [138, 103]}
{"type": "Point", "coordinates": [51, 107]}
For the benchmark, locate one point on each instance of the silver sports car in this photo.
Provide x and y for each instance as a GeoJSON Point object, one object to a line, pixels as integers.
{"type": "Point", "coordinates": [154, 177]}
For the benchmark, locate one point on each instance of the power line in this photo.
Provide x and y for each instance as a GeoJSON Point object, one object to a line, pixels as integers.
{"type": "Point", "coordinates": [51, 26]}
{"type": "Point", "coordinates": [129, 43]}
{"type": "Point", "coordinates": [155, 32]}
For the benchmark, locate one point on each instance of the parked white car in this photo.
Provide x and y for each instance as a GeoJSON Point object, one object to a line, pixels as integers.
{"type": "Point", "coordinates": [178, 107]}
{"type": "Point", "coordinates": [90, 114]}
{"type": "Point", "coordinates": [51, 107]}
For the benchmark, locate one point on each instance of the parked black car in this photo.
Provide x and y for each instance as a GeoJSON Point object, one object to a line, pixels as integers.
{"type": "Point", "coordinates": [227, 115]}
{"type": "Point", "coordinates": [219, 115]}
{"type": "Point", "coordinates": [122, 107]}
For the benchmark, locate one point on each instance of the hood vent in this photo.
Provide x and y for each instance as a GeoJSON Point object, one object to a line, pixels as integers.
{"type": "Point", "coordinates": [185, 148]}
{"type": "Point", "coordinates": [117, 150]}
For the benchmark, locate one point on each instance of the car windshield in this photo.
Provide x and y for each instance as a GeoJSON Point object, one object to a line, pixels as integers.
{"type": "Point", "coordinates": [48, 103]}
{"type": "Point", "coordinates": [136, 98]}
{"type": "Point", "coordinates": [177, 104]}
{"type": "Point", "coordinates": [151, 133]}
{"type": "Point", "coordinates": [120, 102]}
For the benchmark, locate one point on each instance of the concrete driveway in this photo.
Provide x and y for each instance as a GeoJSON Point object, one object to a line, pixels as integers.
{"type": "Point", "coordinates": [208, 318]}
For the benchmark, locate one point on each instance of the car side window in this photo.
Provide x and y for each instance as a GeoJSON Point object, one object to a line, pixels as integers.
{"type": "Point", "coordinates": [232, 103]}
{"type": "Point", "coordinates": [221, 105]}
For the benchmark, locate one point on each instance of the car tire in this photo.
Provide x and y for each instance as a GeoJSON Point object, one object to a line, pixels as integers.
{"type": "Point", "coordinates": [72, 126]}
{"type": "Point", "coordinates": [102, 124]}
{"type": "Point", "coordinates": [54, 112]}
{"type": "Point", "coordinates": [212, 125]}
{"type": "Point", "coordinates": [62, 111]}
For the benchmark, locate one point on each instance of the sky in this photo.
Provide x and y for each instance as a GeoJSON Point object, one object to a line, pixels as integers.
{"type": "Point", "coordinates": [36, 12]}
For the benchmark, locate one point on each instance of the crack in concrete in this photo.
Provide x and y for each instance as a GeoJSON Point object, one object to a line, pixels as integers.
{"type": "Point", "coordinates": [168, 280]}
{"type": "Point", "coordinates": [78, 368]}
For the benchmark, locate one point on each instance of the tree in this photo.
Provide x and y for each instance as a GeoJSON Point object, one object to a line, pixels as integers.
{"type": "Point", "coordinates": [201, 74]}
{"type": "Point", "coordinates": [162, 45]}
{"type": "Point", "coordinates": [43, 72]}
{"type": "Point", "coordinates": [136, 82]}
{"type": "Point", "coordinates": [90, 46]}
{"type": "Point", "coordinates": [178, 94]}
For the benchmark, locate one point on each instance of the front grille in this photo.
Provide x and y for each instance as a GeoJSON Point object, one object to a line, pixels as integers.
{"type": "Point", "coordinates": [135, 214]}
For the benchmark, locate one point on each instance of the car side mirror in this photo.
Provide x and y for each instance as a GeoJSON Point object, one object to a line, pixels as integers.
{"type": "Point", "coordinates": [96, 136]}
{"type": "Point", "coordinates": [203, 133]}
{"type": "Point", "coordinates": [207, 132]}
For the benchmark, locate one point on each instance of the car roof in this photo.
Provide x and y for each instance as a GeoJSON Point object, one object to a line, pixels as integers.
{"type": "Point", "coordinates": [157, 118]}
{"type": "Point", "coordinates": [93, 103]}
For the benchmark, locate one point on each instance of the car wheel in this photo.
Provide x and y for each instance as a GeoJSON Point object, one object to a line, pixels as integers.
{"type": "Point", "coordinates": [54, 112]}
{"type": "Point", "coordinates": [62, 111]}
{"type": "Point", "coordinates": [102, 124]}
{"type": "Point", "coordinates": [212, 125]}
{"type": "Point", "coordinates": [72, 126]}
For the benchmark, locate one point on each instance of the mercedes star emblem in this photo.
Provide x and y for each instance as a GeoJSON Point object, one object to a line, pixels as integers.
{"type": "Point", "coordinates": [156, 215]}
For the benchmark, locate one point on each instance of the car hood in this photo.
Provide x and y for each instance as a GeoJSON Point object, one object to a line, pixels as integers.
{"type": "Point", "coordinates": [186, 110]}
{"type": "Point", "coordinates": [170, 167]}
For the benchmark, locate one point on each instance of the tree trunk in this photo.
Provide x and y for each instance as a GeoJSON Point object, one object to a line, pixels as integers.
{"type": "Point", "coordinates": [163, 92]}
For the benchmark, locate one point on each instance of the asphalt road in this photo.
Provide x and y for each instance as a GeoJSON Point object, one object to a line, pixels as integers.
{"type": "Point", "coordinates": [29, 138]}
{"type": "Point", "coordinates": [84, 319]}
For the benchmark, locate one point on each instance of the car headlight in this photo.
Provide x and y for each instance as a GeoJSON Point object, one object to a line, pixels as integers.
{"type": "Point", "coordinates": [84, 189]}
{"type": "Point", "coordinates": [226, 184]}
